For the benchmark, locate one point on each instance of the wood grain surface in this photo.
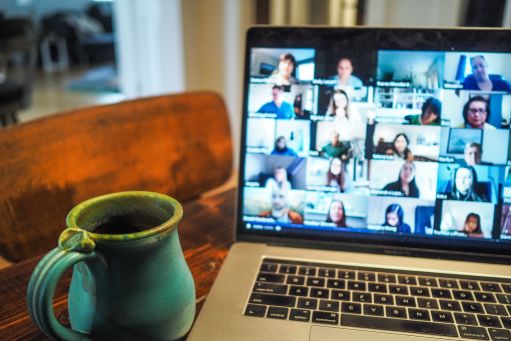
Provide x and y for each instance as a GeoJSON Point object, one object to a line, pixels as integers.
{"type": "Point", "coordinates": [176, 144]}
{"type": "Point", "coordinates": [206, 233]}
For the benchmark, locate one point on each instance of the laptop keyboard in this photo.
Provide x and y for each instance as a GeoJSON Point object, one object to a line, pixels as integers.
{"type": "Point", "coordinates": [475, 308]}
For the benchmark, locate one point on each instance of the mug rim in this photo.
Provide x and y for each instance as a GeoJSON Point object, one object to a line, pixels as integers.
{"type": "Point", "coordinates": [171, 223]}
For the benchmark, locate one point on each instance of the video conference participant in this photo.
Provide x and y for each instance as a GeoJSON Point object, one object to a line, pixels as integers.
{"type": "Point", "coordinates": [472, 225]}
{"type": "Point", "coordinates": [430, 115]}
{"type": "Point", "coordinates": [345, 76]}
{"type": "Point", "coordinates": [399, 147]}
{"type": "Point", "coordinates": [280, 210]}
{"type": "Point", "coordinates": [472, 154]}
{"type": "Point", "coordinates": [405, 183]}
{"type": "Point", "coordinates": [348, 121]}
{"type": "Point", "coordinates": [284, 73]}
{"type": "Point", "coordinates": [464, 184]}
{"type": "Point", "coordinates": [476, 113]}
{"type": "Point", "coordinates": [279, 180]}
{"type": "Point", "coordinates": [337, 214]}
{"type": "Point", "coordinates": [480, 78]}
{"type": "Point", "coordinates": [281, 148]}
{"type": "Point", "coordinates": [336, 175]}
{"type": "Point", "coordinates": [278, 106]}
{"type": "Point", "coordinates": [335, 148]}
{"type": "Point", "coordinates": [394, 217]}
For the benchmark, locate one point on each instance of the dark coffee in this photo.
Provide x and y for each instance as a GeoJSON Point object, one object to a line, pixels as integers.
{"type": "Point", "coordinates": [123, 225]}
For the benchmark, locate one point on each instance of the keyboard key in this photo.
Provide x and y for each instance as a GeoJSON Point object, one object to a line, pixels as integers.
{"type": "Point", "coordinates": [325, 317]}
{"type": "Point", "coordinates": [506, 322]}
{"type": "Point", "coordinates": [410, 280]}
{"type": "Point", "coordinates": [463, 295]}
{"type": "Point", "coordinates": [418, 314]}
{"type": "Point", "coordinates": [493, 287]}
{"type": "Point", "coordinates": [387, 278]}
{"type": "Point", "coordinates": [269, 267]}
{"type": "Point", "coordinates": [307, 303]}
{"type": "Point", "coordinates": [366, 276]}
{"type": "Point", "coordinates": [506, 288]}
{"type": "Point", "coordinates": [441, 293]}
{"type": "Point", "coordinates": [319, 293]}
{"type": "Point", "coordinates": [298, 290]}
{"type": "Point", "coordinates": [419, 291]}
{"type": "Point", "coordinates": [489, 321]}
{"type": "Point", "coordinates": [464, 318]}
{"type": "Point", "coordinates": [277, 313]}
{"type": "Point", "coordinates": [329, 305]}
{"type": "Point", "coordinates": [450, 305]}
{"type": "Point", "coordinates": [346, 274]}
{"type": "Point", "coordinates": [428, 303]}
{"type": "Point", "coordinates": [484, 297]}
{"type": "Point", "coordinates": [442, 316]}
{"type": "Point", "coordinates": [325, 272]}
{"type": "Point", "coordinates": [499, 334]}
{"type": "Point", "coordinates": [473, 333]}
{"type": "Point", "coordinates": [428, 282]}
{"type": "Point", "coordinates": [335, 283]}
{"type": "Point", "coordinates": [398, 289]}
{"type": "Point", "coordinates": [384, 299]}
{"type": "Point", "coordinates": [395, 312]}
{"type": "Point", "coordinates": [300, 315]}
{"type": "Point", "coordinates": [351, 308]}
{"type": "Point", "coordinates": [448, 283]}
{"type": "Point", "coordinates": [471, 307]}
{"type": "Point", "coordinates": [407, 326]}
{"type": "Point", "coordinates": [270, 299]}
{"type": "Point", "coordinates": [377, 287]}
{"type": "Point", "coordinates": [273, 278]}
{"type": "Point", "coordinates": [469, 285]}
{"type": "Point", "coordinates": [295, 280]}
{"type": "Point", "coordinates": [287, 269]}
{"type": "Point", "coordinates": [371, 309]}
{"type": "Point", "coordinates": [357, 286]}
{"type": "Point", "coordinates": [270, 288]}
{"type": "Point", "coordinates": [307, 271]}
{"type": "Point", "coordinates": [315, 282]}
{"type": "Point", "coordinates": [255, 310]}
{"type": "Point", "coordinates": [362, 297]}
{"type": "Point", "coordinates": [504, 299]}
{"type": "Point", "coordinates": [405, 301]}
{"type": "Point", "coordinates": [495, 309]}
{"type": "Point", "coordinates": [340, 295]}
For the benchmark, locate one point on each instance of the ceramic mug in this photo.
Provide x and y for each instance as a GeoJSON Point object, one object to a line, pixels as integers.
{"type": "Point", "coordinates": [130, 278]}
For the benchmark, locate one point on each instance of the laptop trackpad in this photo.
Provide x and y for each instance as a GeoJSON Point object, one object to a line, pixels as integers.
{"type": "Point", "coordinates": [319, 333]}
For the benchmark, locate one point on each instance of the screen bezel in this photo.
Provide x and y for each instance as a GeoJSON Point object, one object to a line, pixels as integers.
{"type": "Point", "coordinates": [426, 39]}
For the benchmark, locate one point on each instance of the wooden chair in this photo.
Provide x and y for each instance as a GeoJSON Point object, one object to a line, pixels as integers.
{"type": "Point", "coordinates": [176, 144]}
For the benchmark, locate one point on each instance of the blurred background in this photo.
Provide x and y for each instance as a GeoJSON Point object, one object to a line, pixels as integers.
{"type": "Point", "coordinates": [58, 55]}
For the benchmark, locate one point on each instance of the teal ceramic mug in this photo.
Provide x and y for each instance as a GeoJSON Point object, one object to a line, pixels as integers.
{"type": "Point", "coordinates": [130, 279]}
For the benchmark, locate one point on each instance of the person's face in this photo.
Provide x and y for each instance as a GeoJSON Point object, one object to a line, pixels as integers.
{"type": "Point", "coordinates": [472, 156]}
{"type": "Point", "coordinates": [280, 174]}
{"type": "Point", "coordinates": [335, 166]}
{"type": "Point", "coordinates": [286, 67]}
{"type": "Point", "coordinates": [340, 100]}
{"type": "Point", "coordinates": [281, 143]}
{"type": "Point", "coordinates": [429, 116]}
{"type": "Point", "coordinates": [477, 113]}
{"type": "Point", "coordinates": [479, 69]}
{"type": "Point", "coordinates": [334, 138]}
{"type": "Point", "coordinates": [344, 68]}
{"type": "Point", "coordinates": [400, 144]}
{"type": "Point", "coordinates": [407, 172]}
{"type": "Point", "coordinates": [471, 224]}
{"type": "Point", "coordinates": [278, 200]}
{"type": "Point", "coordinates": [336, 211]}
{"type": "Point", "coordinates": [464, 180]}
{"type": "Point", "coordinates": [392, 219]}
{"type": "Point", "coordinates": [276, 95]}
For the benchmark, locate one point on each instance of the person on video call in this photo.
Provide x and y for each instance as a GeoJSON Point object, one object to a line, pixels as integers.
{"type": "Point", "coordinates": [345, 76]}
{"type": "Point", "coordinates": [472, 226]}
{"type": "Point", "coordinates": [476, 113]}
{"type": "Point", "coordinates": [283, 75]}
{"type": "Point", "coordinates": [399, 147]}
{"type": "Point", "coordinates": [280, 210]}
{"type": "Point", "coordinates": [394, 217]}
{"type": "Point", "coordinates": [336, 175]}
{"type": "Point", "coordinates": [405, 183]}
{"type": "Point", "coordinates": [283, 109]}
{"type": "Point", "coordinates": [472, 154]}
{"type": "Point", "coordinates": [337, 214]}
{"type": "Point", "coordinates": [281, 148]}
{"type": "Point", "coordinates": [480, 78]}
{"type": "Point", "coordinates": [464, 185]}
{"type": "Point", "coordinates": [335, 148]}
{"type": "Point", "coordinates": [279, 180]}
{"type": "Point", "coordinates": [347, 120]}
{"type": "Point", "coordinates": [430, 114]}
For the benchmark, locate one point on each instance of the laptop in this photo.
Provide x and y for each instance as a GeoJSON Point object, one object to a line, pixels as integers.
{"type": "Point", "coordinates": [374, 188]}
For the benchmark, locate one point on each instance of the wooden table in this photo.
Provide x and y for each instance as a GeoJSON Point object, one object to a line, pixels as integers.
{"type": "Point", "coordinates": [206, 233]}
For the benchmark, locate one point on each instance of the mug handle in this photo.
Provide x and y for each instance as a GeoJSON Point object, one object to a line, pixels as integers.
{"type": "Point", "coordinates": [75, 246]}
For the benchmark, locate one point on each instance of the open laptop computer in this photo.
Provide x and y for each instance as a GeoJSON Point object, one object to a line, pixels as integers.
{"type": "Point", "coordinates": [375, 188]}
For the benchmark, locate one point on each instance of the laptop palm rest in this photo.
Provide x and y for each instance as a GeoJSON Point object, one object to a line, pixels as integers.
{"type": "Point", "coordinates": [319, 333]}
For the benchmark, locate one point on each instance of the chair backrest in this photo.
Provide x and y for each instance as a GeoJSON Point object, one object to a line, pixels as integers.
{"type": "Point", "coordinates": [176, 144]}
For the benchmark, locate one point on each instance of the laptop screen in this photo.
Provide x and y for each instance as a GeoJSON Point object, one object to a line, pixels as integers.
{"type": "Point", "coordinates": [398, 136]}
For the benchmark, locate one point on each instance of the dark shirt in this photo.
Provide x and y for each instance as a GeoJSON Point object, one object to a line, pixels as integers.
{"type": "Point", "coordinates": [336, 151]}
{"type": "Point", "coordinates": [396, 187]}
{"type": "Point", "coordinates": [470, 83]}
{"type": "Point", "coordinates": [284, 152]}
